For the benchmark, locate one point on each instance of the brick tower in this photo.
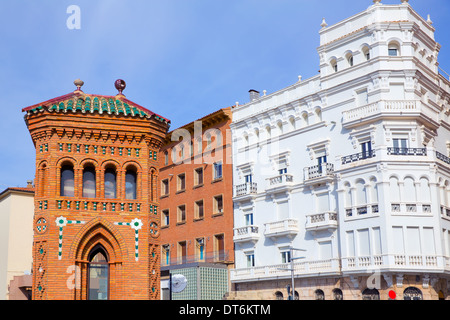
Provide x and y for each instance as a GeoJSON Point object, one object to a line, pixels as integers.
{"type": "Point", "coordinates": [96, 222]}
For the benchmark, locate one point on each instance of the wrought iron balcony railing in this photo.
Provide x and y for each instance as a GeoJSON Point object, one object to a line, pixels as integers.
{"type": "Point", "coordinates": [217, 256]}
{"type": "Point", "coordinates": [407, 151]}
{"type": "Point", "coordinates": [442, 157]}
{"type": "Point", "coordinates": [358, 156]}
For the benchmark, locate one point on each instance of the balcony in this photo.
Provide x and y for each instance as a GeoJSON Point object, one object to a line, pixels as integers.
{"type": "Point", "coordinates": [407, 151]}
{"type": "Point", "coordinates": [322, 221]}
{"type": "Point", "coordinates": [392, 109]}
{"type": "Point", "coordinates": [395, 262]}
{"type": "Point", "coordinates": [319, 174]}
{"type": "Point", "coordinates": [301, 269]}
{"type": "Point", "coordinates": [221, 256]}
{"type": "Point", "coordinates": [443, 157]}
{"type": "Point", "coordinates": [358, 157]}
{"type": "Point", "coordinates": [280, 183]}
{"type": "Point", "coordinates": [246, 234]}
{"type": "Point", "coordinates": [346, 265]}
{"type": "Point", "coordinates": [248, 188]}
{"type": "Point", "coordinates": [284, 228]}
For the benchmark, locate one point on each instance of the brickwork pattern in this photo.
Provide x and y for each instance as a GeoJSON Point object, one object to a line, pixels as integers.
{"type": "Point", "coordinates": [213, 223]}
{"type": "Point", "coordinates": [75, 225]}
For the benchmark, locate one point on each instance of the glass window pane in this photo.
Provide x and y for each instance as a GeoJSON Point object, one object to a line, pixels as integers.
{"type": "Point", "coordinates": [110, 184]}
{"type": "Point", "coordinates": [98, 281]}
{"type": "Point", "coordinates": [67, 182]}
{"type": "Point", "coordinates": [99, 257]}
{"type": "Point", "coordinates": [98, 274]}
{"type": "Point", "coordinates": [89, 183]}
{"type": "Point", "coordinates": [130, 185]}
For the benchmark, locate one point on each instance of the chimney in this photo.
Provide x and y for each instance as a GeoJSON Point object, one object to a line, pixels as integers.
{"type": "Point", "coordinates": [254, 95]}
{"type": "Point", "coordinates": [29, 183]}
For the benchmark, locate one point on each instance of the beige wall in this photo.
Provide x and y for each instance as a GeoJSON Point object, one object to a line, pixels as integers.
{"type": "Point", "coordinates": [16, 236]}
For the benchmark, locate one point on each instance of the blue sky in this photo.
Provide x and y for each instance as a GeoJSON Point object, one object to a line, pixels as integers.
{"type": "Point", "coordinates": [182, 59]}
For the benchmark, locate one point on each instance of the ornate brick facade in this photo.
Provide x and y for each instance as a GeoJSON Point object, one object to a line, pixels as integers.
{"type": "Point", "coordinates": [196, 197]}
{"type": "Point", "coordinates": [106, 134]}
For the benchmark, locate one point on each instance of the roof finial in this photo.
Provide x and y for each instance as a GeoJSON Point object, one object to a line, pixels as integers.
{"type": "Point", "coordinates": [324, 23]}
{"type": "Point", "coordinates": [79, 83]}
{"type": "Point", "coordinates": [376, 1]}
{"type": "Point", "coordinates": [405, 1]}
{"type": "Point", "coordinates": [429, 20]}
{"type": "Point", "coordinates": [120, 86]}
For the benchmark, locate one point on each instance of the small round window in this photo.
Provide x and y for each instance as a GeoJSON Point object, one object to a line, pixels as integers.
{"type": "Point", "coordinates": [153, 229]}
{"type": "Point", "coordinates": [41, 225]}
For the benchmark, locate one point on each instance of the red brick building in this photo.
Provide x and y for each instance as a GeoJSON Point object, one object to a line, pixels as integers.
{"type": "Point", "coordinates": [196, 199]}
{"type": "Point", "coordinates": [96, 223]}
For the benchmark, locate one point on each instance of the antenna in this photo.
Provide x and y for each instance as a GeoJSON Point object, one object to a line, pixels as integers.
{"type": "Point", "coordinates": [179, 283]}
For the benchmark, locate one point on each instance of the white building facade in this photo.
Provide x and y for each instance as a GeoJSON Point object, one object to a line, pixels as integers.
{"type": "Point", "coordinates": [351, 166]}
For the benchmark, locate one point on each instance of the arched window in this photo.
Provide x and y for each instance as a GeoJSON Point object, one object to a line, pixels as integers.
{"type": "Point", "coordinates": [334, 66]}
{"type": "Point", "coordinates": [292, 122]}
{"type": "Point", "coordinates": [245, 141]}
{"type": "Point", "coordinates": [166, 158]}
{"type": "Point", "coordinates": [366, 52]}
{"type": "Point", "coordinates": [349, 58]}
{"type": "Point", "coordinates": [370, 294]}
{"type": "Point", "coordinates": [98, 274]}
{"type": "Point", "coordinates": [110, 183]}
{"type": "Point", "coordinates": [424, 190]}
{"type": "Point", "coordinates": [319, 294]}
{"type": "Point", "coordinates": [130, 184]}
{"type": "Point", "coordinates": [409, 187]}
{"type": "Point", "coordinates": [394, 191]}
{"type": "Point", "coordinates": [280, 127]}
{"type": "Point", "coordinates": [305, 120]}
{"type": "Point", "coordinates": [43, 180]}
{"type": "Point", "coordinates": [257, 134]}
{"type": "Point", "coordinates": [412, 293]}
{"type": "Point", "coordinates": [318, 112]}
{"type": "Point", "coordinates": [337, 294]}
{"type": "Point", "coordinates": [67, 181]}
{"type": "Point", "coordinates": [373, 190]}
{"type": "Point", "coordinates": [268, 132]}
{"type": "Point", "coordinates": [361, 197]}
{"type": "Point", "coordinates": [89, 182]}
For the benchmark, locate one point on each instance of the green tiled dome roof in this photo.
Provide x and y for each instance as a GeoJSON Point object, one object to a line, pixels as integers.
{"type": "Point", "coordinates": [80, 102]}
